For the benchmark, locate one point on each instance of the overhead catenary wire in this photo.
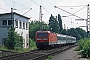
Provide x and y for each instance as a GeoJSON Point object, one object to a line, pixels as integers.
{"type": "Point", "coordinates": [4, 9]}
{"type": "Point", "coordinates": [46, 10]}
{"type": "Point", "coordinates": [78, 11]}
{"type": "Point", "coordinates": [67, 12]}
{"type": "Point", "coordinates": [20, 4]}
{"type": "Point", "coordinates": [35, 2]}
{"type": "Point", "coordinates": [72, 6]}
{"type": "Point", "coordinates": [23, 6]}
{"type": "Point", "coordinates": [41, 6]}
{"type": "Point", "coordinates": [49, 2]}
{"type": "Point", "coordinates": [13, 4]}
{"type": "Point", "coordinates": [24, 13]}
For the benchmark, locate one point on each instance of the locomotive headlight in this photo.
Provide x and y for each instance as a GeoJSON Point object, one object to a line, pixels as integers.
{"type": "Point", "coordinates": [38, 38]}
{"type": "Point", "coordinates": [45, 39]}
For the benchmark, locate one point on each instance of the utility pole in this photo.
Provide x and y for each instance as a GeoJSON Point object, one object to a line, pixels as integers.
{"type": "Point", "coordinates": [12, 17]}
{"type": "Point", "coordinates": [12, 27]}
{"type": "Point", "coordinates": [40, 18]}
{"type": "Point", "coordinates": [87, 20]}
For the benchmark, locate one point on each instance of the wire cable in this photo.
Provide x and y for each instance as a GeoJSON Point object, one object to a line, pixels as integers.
{"type": "Point", "coordinates": [24, 13]}
{"type": "Point", "coordinates": [67, 12]}
{"type": "Point", "coordinates": [77, 11]}
{"type": "Point", "coordinates": [72, 6]}
{"type": "Point", "coordinates": [49, 2]}
{"type": "Point", "coordinates": [46, 10]}
{"type": "Point", "coordinates": [35, 2]}
{"type": "Point", "coordinates": [4, 9]}
{"type": "Point", "coordinates": [51, 5]}
{"type": "Point", "coordinates": [20, 4]}
{"type": "Point", "coordinates": [42, 6]}
{"type": "Point", "coordinates": [13, 4]}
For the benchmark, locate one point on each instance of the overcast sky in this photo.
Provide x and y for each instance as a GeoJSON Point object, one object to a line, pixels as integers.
{"type": "Point", "coordinates": [48, 8]}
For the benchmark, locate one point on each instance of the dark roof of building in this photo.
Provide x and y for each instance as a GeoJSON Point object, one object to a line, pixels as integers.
{"type": "Point", "coordinates": [16, 14]}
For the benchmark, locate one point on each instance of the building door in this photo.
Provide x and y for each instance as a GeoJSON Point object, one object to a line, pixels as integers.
{"type": "Point", "coordinates": [4, 41]}
{"type": "Point", "coordinates": [27, 40]}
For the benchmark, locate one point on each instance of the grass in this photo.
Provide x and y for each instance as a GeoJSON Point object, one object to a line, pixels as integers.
{"type": "Point", "coordinates": [22, 50]}
{"type": "Point", "coordinates": [77, 49]}
{"type": "Point", "coordinates": [19, 50]}
{"type": "Point", "coordinates": [88, 58]}
{"type": "Point", "coordinates": [49, 57]}
{"type": "Point", "coordinates": [3, 48]}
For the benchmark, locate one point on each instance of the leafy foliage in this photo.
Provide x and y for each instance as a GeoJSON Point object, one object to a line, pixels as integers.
{"type": "Point", "coordinates": [73, 32]}
{"type": "Point", "coordinates": [32, 44]}
{"type": "Point", "coordinates": [84, 47]}
{"type": "Point", "coordinates": [60, 23]}
{"type": "Point", "coordinates": [53, 24]}
{"type": "Point", "coordinates": [14, 41]}
{"type": "Point", "coordinates": [64, 31]}
{"type": "Point", "coordinates": [81, 32]}
{"type": "Point", "coordinates": [35, 26]}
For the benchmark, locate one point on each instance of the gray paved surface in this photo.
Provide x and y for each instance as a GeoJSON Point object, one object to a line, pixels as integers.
{"type": "Point", "coordinates": [68, 55]}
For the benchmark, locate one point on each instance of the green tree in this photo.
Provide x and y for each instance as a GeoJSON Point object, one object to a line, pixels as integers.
{"type": "Point", "coordinates": [81, 32]}
{"type": "Point", "coordinates": [10, 42]}
{"type": "Point", "coordinates": [53, 24]}
{"type": "Point", "coordinates": [64, 31]}
{"type": "Point", "coordinates": [60, 23]}
{"type": "Point", "coordinates": [35, 26]}
{"type": "Point", "coordinates": [14, 41]}
{"type": "Point", "coordinates": [73, 32]}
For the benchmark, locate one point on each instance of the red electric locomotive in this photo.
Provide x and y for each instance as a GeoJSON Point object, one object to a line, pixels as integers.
{"type": "Point", "coordinates": [45, 39]}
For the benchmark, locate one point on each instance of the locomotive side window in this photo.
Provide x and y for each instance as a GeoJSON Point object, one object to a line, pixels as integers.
{"type": "Point", "coordinates": [42, 34]}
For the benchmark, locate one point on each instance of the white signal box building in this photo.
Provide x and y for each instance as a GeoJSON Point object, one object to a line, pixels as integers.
{"type": "Point", "coordinates": [20, 23]}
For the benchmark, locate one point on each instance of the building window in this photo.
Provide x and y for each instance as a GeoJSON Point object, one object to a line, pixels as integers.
{"type": "Point", "coordinates": [4, 22]}
{"type": "Point", "coordinates": [9, 22]}
{"type": "Point", "coordinates": [26, 26]}
{"type": "Point", "coordinates": [23, 25]}
{"type": "Point", "coordinates": [20, 24]}
{"type": "Point", "coordinates": [16, 23]}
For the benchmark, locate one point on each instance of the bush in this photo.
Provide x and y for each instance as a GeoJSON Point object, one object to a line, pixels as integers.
{"type": "Point", "coordinates": [14, 40]}
{"type": "Point", "coordinates": [84, 47]}
{"type": "Point", "coordinates": [32, 44]}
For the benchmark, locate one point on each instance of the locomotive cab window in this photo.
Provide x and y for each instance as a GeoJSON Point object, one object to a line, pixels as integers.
{"type": "Point", "coordinates": [42, 34]}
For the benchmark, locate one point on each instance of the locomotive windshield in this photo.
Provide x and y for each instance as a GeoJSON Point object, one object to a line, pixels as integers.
{"type": "Point", "coordinates": [42, 34]}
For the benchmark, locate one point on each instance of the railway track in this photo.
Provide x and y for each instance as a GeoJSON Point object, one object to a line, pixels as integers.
{"type": "Point", "coordinates": [36, 54]}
